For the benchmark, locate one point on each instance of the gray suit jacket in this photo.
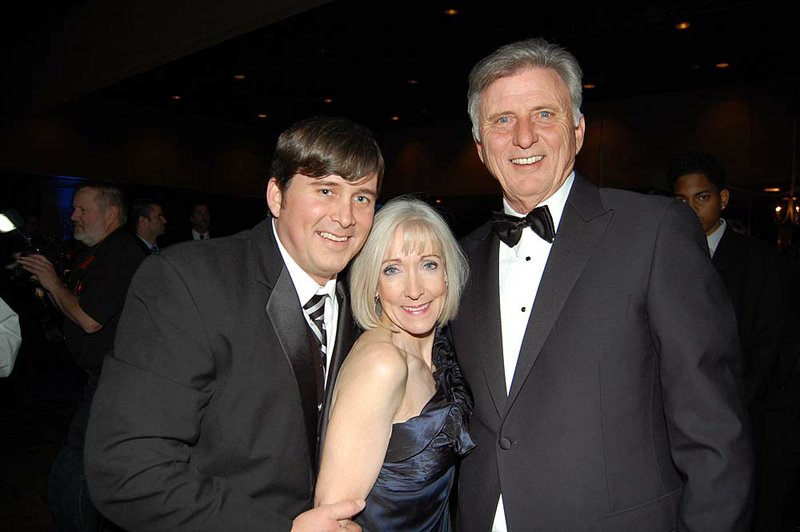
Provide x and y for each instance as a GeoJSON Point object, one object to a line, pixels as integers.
{"type": "Point", "coordinates": [625, 412]}
{"type": "Point", "coordinates": [206, 415]}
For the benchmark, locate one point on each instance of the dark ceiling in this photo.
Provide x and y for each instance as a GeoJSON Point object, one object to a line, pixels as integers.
{"type": "Point", "coordinates": [409, 60]}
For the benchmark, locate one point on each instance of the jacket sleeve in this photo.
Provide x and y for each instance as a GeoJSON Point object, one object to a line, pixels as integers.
{"type": "Point", "coordinates": [766, 322]}
{"type": "Point", "coordinates": [148, 412]}
{"type": "Point", "coordinates": [10, 338]}
{"type": "Point", "coordinates": [694, 330]}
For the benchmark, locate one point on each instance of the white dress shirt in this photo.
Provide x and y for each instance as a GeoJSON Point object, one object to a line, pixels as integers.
{"type": "Point", "coordinates": [150, 245]}
{"type": "Point", "coordinates": [521, 269]}
{"type": "Point", "coordinates": [306, 287]}
{"type": "Point", "coordinates": [200, 236]}
{"type": "Point", "coordinates": [716, 236]}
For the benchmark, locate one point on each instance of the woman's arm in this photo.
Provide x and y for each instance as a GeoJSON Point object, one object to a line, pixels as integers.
{"type": "Point", "coordinates": [369, 391]}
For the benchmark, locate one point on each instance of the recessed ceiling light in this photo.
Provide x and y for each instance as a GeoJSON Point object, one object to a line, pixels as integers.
{"type": "Point", "coordinates": [413, 82]}
{"type": "Point", "coordinates": [772, 189]}
{"type": "Point", "coordinates": [328, 100]}
{"type": "Point", "coordinates": [589, 86]}
{"type": "Point", "coordinates": [176, 97]}
{"type": "Point", "coordinates": [261, 115]}
{"type": "Point", "coordinates": [239, 77]}
{"type": "Point", "coordinates": [451, 12]}
{"type": "Point", "coordinates": [723, 65]}
{"type": "Point", "coordinates": [438, 201]}
{"type": "Point", "coordinates": [683, 25]}
{"type": "Point", "coordinates": [395, 118]}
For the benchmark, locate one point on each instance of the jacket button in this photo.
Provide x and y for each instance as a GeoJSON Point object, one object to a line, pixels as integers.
{"type": "Point", "coordinates": [505, 444]}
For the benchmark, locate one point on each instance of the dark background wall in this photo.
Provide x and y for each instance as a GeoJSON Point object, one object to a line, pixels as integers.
{"type": "Point", "coordinates": [180, 158]}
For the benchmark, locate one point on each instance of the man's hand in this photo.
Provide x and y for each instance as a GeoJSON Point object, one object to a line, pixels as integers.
{"type": "Point", "coordinates": [329, 517]}
{"type": "Point", "coordinates": [42, 270]}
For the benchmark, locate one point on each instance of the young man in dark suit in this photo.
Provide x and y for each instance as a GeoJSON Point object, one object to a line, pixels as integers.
{"type": "Point", "coordinates": [597, 339]}
{"type": "Point", "coordinates": [209, 413]}
{"type": "Point", "coordinates": [749, 268]}
{"type": "Point", "coordinates": [758, 284]}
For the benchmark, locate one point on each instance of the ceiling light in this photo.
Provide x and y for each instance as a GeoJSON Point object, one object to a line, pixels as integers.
{"type": "Point", "coordinates": [413, 82]}
{"type": "Point", "coordinates": [239, 77]}
{"type": "Point", "coordinates": [176, 97]}
{"type": "Point", "coordinates": [451, 12]}
{"type": "Point", "coordinates": [589, 86]}
{"type": "Point", "coordinates": [395, 118]}
{"type": "Point", "coordinates": [772, 189]}
{"type": "Point", "coordinates": [683, 25]}
{"type": "Point", "coordinates": [723, 65]}
{"type": "Point", "coordinates": [328, 100]}
{"type": "Point", "coordinates": [261, 115]}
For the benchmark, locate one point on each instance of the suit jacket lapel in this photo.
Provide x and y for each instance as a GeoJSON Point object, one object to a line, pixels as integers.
{"type": "Point", "coordinates": [726, 255]}
{"type": "Point", "coordinates": [286, 316]}
{"type": "Point", "coordinates": [345, 336]}
{"type": "Point", "coordinates": [582, 224]}
{"type": "Point", "coordinates": [485, 309]}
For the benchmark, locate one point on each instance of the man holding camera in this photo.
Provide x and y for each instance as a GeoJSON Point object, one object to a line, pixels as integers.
{"type": "Point", "coordinates": [91, 302]}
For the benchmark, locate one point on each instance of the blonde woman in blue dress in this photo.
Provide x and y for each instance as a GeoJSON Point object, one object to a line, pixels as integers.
{"type": "Point", "coordinates": [400, 408]}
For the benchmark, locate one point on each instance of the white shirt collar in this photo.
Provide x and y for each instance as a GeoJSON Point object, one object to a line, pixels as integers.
{"type": "Point", "coordinates": [716, 236]}
{"type": "Point", "coordinates": [196, 235]}
{"type": "Point", "coordinates": [304, 285]}
{"type": "Point", "coordinates": [146, 243]}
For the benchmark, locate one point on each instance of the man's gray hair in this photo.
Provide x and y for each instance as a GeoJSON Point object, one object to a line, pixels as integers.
{"type": "Point", "coordinates": [516, 57]}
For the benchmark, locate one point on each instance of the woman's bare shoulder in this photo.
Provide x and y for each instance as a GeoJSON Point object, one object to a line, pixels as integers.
{"type": "Point", "coordinates": [375, 356]}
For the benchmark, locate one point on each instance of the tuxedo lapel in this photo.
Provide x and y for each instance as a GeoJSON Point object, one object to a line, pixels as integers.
{"type": "Point", "coordinates": [727, 254]}
{"type": "Point", "coordinates": [345, 336]}
{"type": "Point", "coordinates": [582, 225]}
{"type": "Point", "coordinates": [285, 314]}
{"type": "Point", "coordinates": [485, 317]}
{"type": "Point", "coordinates": [291, 328]}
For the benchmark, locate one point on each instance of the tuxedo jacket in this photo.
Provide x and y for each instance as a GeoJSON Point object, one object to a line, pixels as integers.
{"type": "Point", "coordinates": [755, 281]}
{"type": "Point", "coordinates": [206, 415]}
{"type": "Point", "coordinates": [625, 411]}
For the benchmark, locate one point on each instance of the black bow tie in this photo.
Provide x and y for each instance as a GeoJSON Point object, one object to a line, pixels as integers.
{"type": "Point", "coordinates": [509, 228]}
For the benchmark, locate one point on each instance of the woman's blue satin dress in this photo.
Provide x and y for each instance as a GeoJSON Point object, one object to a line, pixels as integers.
{"type": "Point", "coordinates": [413, 487]}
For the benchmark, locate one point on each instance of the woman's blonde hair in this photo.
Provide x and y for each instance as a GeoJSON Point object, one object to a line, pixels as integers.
{"type": "Point", "coordinates": [421, 224]}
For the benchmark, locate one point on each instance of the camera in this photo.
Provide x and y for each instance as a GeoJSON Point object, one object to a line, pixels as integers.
{"type": "Point", "coordinates": [26, 239]}
{"type": "Point", "coordinates": [40, 245]}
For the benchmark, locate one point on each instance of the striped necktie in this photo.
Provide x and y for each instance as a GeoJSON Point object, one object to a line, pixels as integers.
{"type": "Point", "coordinates": [315, 308]}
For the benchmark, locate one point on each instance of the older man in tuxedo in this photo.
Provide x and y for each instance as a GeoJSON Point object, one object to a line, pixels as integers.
{"type": "Point", "coordinates": [598, 341]}
{"type": "Point", "coordinates": [208, 414]}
